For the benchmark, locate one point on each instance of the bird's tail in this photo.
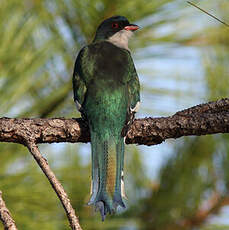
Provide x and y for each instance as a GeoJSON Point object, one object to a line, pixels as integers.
{"type": "Point", "coordinates": [107, 174]}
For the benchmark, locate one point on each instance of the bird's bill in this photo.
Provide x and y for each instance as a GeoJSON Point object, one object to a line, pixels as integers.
{"type": "Point", "coordinates": [131, 27]}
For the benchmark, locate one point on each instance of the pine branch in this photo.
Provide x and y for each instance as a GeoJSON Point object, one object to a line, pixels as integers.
{"type": "Point", "coordinates": [5, 216]}
{"type": "Point", "coordinates": [58, 188]}
{"type": "Point", "coordinates": [203, 119]}
{"type": "Point", "coordinates": [213, 206]}
{"type": "Point", "coordinates": [209, 118]}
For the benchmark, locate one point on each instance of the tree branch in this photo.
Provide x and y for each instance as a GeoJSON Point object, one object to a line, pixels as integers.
{"type": "Point", "coordinates": [213, 206]}
{"type": "Point", "coordinates": [42, 162]}
{"type": "Point", "coordinates": [5, 216]}
{"type": "Point", "coordinates": [209, 118]}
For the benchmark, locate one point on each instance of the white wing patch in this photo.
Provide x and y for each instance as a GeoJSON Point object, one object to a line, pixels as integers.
{"type": "Point", "coordinates": [78, 105]}
{"type": "Point", "coordinates": [136, 108]}
{"type": "Point", "coordinates": [123, 194]}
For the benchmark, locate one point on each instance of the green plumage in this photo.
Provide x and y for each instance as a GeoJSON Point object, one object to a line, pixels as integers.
{"type": "Point", "coordinates": [106, 88]}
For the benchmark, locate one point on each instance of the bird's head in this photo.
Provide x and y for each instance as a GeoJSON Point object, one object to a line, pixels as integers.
{"type": "Point", "coordinates": [115, 27]}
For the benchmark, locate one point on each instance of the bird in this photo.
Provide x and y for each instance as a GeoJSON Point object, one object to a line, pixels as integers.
{"type": "Point", "coordinates": [106, 92]}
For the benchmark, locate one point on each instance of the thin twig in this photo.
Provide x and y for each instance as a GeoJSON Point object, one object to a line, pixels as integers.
{"type": "Point", "coordinates": [42, 162]}
{"type": "Point", "coordinates": [5, 216]}
{"type": "Point", "coordinates": [214, 204]}
{"type": "Point", "coordinates": [208, 13]}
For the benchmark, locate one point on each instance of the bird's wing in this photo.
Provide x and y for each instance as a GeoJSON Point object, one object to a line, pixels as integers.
{"type": "Point", "coordinates": [134, 97]}
{"type": "Point", "coordinates": [79, 86]}
{"type": "Point", "coordinates": [134, 92]}
{"type": "Point", "coordinates": [133, 87]}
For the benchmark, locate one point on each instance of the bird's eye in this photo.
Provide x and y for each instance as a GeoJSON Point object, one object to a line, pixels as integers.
{"type": "Point", "coordinates": [115, 25]}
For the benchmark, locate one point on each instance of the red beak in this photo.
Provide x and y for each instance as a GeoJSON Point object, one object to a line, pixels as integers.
{"type": "Point", "coordinates": [131, 27]}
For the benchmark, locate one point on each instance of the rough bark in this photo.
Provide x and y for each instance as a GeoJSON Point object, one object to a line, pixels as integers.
{"type": "Point", "coordinates": [5, 216]}
{"type": "Point", "coordinates": [209, 118]}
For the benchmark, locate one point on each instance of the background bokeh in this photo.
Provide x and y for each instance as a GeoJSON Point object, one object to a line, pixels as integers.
{"type": "Point", "coordinates": [182, 58]}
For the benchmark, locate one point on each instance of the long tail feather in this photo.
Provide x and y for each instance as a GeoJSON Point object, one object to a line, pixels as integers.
{"type": "Point", "coordinates": [95, 170]}
{"type": "Point", "coordinates": [107, 174]}
{"type": "Point", "coordinates": [119, 183]}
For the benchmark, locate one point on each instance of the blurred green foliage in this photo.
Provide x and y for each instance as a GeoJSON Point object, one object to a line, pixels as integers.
{"type": "Point", "coordinates": [38, 45]}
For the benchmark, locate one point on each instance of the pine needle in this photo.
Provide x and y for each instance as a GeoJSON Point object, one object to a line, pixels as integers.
{"type": "Point", "coordinates": [208, 13]}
